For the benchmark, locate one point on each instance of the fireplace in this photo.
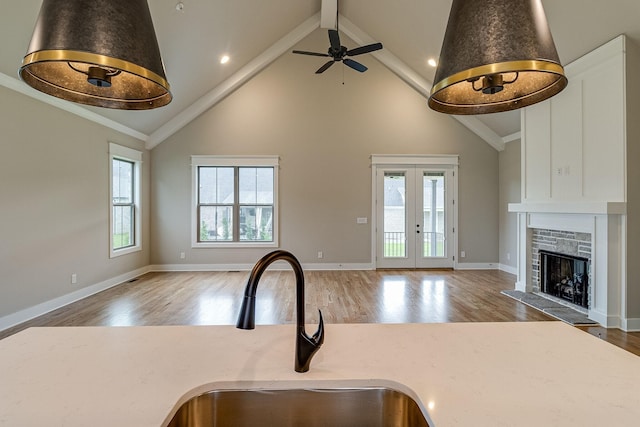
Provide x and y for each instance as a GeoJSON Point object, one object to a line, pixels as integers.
{"type": "Point", "coordinates": [565, 276]}
{"type": "Point", "coordinates": [596, 233]}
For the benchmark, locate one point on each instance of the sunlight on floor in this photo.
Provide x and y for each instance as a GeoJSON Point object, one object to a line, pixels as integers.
{"type": "Point", "coordinates": [215, 310]}
{"type": "Point", "coordinates": [435, 300]}
{"type": "Point", "coordinates": [121, 313]}
{"type": "Point", "coordinates": [394, 309]}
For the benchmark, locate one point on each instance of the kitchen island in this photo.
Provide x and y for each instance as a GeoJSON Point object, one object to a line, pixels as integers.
{"type": "Point", "coordinates": [465, 374]}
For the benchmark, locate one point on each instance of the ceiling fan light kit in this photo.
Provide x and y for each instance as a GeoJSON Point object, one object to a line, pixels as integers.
{"type": "Point", "coordinates": [497, 55]}
{"type": "Point", "coordinates": [100, 53]}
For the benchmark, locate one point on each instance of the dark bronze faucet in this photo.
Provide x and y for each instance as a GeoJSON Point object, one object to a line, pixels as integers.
{"type": "Point", "coordinates": [306, 346]}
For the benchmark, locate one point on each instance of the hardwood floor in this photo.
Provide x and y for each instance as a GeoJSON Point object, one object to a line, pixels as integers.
{"type": "Point", "coordinates": [383, 296]}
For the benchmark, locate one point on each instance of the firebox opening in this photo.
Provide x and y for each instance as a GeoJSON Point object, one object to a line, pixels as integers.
{"type": "Point", "coordinates": [565, 277]}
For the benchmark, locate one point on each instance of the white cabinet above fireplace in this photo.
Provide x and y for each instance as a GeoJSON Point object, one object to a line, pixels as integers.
{"type": "Point", "coordinates": [573, 145]}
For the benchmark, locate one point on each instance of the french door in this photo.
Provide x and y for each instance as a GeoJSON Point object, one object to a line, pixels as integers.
{"type": "Point", "coordinates": [415, 216]}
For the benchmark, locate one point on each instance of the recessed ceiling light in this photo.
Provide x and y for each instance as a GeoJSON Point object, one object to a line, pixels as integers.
{"type": "Point", "coordinates": [432, 62]}
{"type": "Point", "coordinates": [180, 7]}
{"type": "Point", "coordinates": [224, 59]}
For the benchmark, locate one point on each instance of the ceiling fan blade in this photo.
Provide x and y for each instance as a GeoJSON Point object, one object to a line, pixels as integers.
{"type": "Point", "coordinates": [334, 39]}
{"type": "Point", "coordinates": [364, 49]}
{"type": "Point", "coordinates": [355, 65]}
{"type": "Point", "coordinates": [303, 52]}
{"type": "Point", "coordinates": [324, 67]}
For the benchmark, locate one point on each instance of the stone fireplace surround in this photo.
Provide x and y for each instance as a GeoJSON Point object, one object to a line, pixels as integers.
{"type": "Point", "coordinates": [596, 231]}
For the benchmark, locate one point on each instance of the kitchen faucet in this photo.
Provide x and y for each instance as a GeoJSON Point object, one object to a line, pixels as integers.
{"type": "Point", "coordinates": [306, 346]}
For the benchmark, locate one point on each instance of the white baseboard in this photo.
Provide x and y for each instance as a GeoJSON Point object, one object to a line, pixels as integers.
{"type": "Point", "coordinates": [200, 267]}
{"type": "Point", "coordinates": [508, 269]}
{"type": "Point", "coordinates": [477, 266]}
{"type": "Point", "coordinates": [630, 325]}
{"type": "Point", "coordinates": [21, 316]}
{"type": "Point", "coordinates": [337, 266]}
{"type": "Point", "coordinates": [278, 265]}
{"type": "Point", "coordinates": [606, 321]}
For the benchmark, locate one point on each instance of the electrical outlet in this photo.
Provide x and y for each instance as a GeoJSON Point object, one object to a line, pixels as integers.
{"type": "Point", "coordinates": [463, 254]}
{"type": "Point", "coordinates": [362, 220]}
{"type": "Point", "coordinates": [74, 278]}
{"type": "Point", "coordinates": [508, 256]}
{"type": "Point", "coordinates": [182, 255]}
{"type": "Point", "coordinates": [320, 254]}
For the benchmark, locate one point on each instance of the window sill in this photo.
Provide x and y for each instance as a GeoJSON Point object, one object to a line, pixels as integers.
{"type": "Point", "coordinates": [124, 251]}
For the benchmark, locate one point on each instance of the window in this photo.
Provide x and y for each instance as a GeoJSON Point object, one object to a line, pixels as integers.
{"type": "Point", "coordinates": [235, 200]}
{"type": "Point", "coordinates": [125, 229]}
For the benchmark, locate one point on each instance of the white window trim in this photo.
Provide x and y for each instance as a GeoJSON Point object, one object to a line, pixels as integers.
{"type": "Point", "coordinates": [125, 153]}
{"type": "Point", "coordinates": [208, 160]}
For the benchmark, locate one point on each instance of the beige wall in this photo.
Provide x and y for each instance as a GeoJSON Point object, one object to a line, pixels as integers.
{"type": "Point", "coordinates": [510, 190]}
{"type": "Point", "coordinates": [324, 132]}
{"type": "Point", "coordinates": [632, 298]}
{"type": "Point", "coordinates": [54, 212]}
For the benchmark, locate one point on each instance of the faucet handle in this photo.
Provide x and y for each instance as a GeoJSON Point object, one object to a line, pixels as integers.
{"type": "Point", "coordinates": [318, 337]}
{"type": "Point", "coordinates": [307, 346]}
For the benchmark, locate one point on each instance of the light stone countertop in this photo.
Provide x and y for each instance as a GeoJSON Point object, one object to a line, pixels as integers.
{"type": "Point", "coordinates": [468, 374]}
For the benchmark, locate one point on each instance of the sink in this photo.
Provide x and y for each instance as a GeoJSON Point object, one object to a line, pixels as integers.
{"type": "Point", "coordinates": [370, 406]}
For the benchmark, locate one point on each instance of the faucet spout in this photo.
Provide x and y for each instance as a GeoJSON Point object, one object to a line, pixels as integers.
{"type": "Point", "coordinates": [306, 346]}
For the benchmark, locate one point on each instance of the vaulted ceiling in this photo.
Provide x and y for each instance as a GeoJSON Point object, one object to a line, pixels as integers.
{"type": "Point", "coordinates": [255, 32]}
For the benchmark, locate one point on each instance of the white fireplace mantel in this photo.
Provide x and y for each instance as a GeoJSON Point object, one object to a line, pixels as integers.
{"type": "Point", "coordinates": [596, 208]}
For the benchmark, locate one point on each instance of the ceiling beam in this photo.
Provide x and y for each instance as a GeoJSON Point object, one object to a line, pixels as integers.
{"type": "Point", "coordinates": [328, 13]}
{"type": "Point", "coordinates": [513, 137]}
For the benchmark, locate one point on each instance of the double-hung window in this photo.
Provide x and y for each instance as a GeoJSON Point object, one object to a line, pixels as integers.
{"type": "Point", "coordinates": [124, 190]}
{"type": "Point", "coordinates": [235, 201]}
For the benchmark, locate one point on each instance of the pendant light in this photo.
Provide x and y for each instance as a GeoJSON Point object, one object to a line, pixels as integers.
{"type": "Point", "coordinates": [497, 55]}
{"type": "Point", "coordinates": [97, 52]}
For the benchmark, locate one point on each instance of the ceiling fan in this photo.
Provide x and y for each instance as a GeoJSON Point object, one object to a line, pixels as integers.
{"type": "Point", "coordinates": [339, 53]}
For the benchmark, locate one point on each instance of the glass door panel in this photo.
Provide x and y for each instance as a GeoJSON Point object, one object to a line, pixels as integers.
{"type": "Point", "coordinates": [433, 215]}
{"type": "Point", "coordinates": [394, 215]}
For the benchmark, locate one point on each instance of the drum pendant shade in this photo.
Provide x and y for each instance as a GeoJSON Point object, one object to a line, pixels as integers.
{"type": "Point", "coordinates": [97, 52]}
{"type": "Point", "coordinates": [497, 55]}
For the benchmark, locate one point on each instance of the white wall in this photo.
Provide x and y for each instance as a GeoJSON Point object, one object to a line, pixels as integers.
{"type": "Point", "coordinates": [54, 214]}
{"type": "Point", "coordinates": [324, 131]}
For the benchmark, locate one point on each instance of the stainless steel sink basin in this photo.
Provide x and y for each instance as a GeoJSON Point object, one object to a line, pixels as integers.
{"type": "Point", "coordinates": [308, 407]}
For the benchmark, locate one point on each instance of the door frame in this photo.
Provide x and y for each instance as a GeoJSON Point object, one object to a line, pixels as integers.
{"type": "Point", "coordinates": [449, 161]}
